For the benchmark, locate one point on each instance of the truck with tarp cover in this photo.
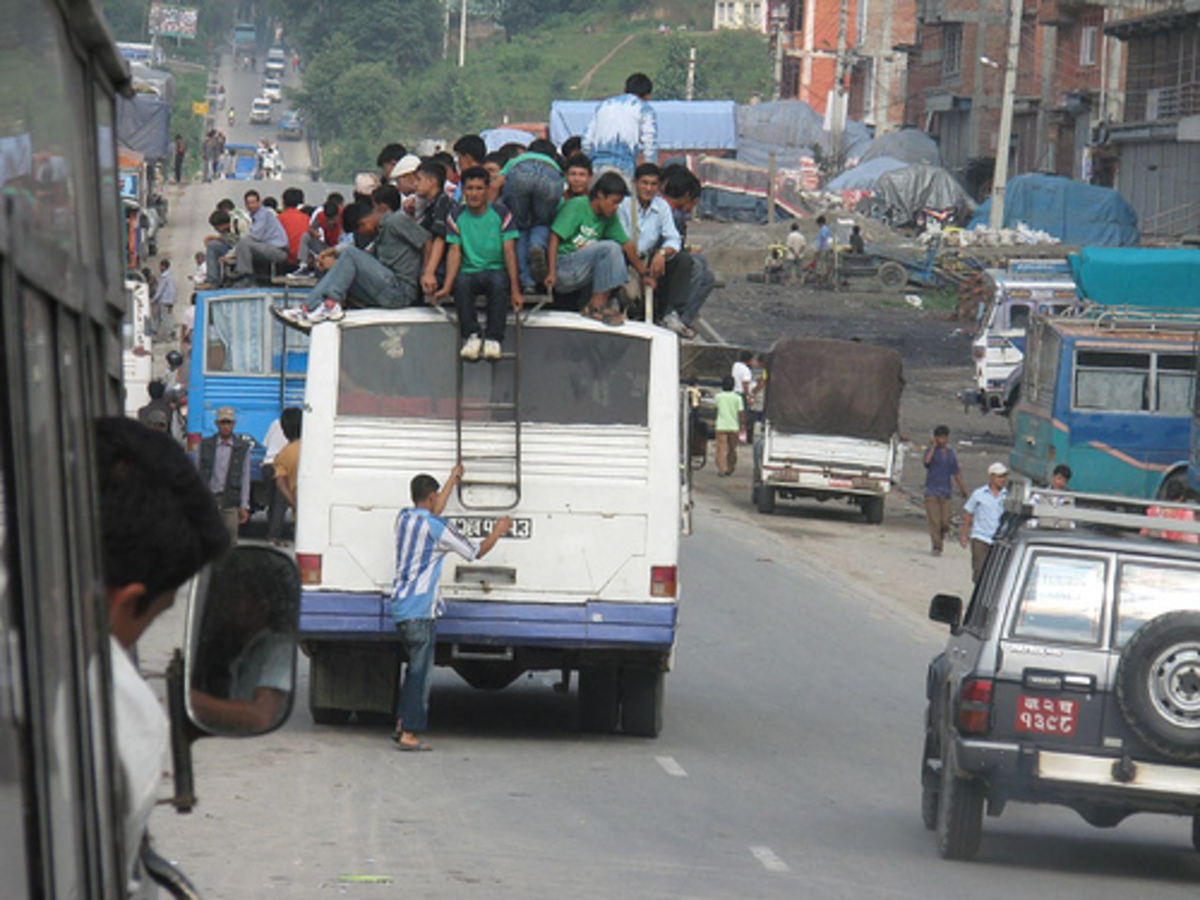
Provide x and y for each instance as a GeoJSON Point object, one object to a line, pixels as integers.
{"type": "Point", "coordinates": [831, 424]}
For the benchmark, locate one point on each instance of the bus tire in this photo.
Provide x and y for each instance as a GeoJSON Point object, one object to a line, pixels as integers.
{"type": "Point", "coordinates": [642, 702]}
{"type": "Point", "coordinates": [599, 699]}
{"type": "Point", "coordinates": [873, 510]}
{"type": "Point", "coordinates": [765, 500]}
{"type": "Point", "coordinates": [1179, 478]}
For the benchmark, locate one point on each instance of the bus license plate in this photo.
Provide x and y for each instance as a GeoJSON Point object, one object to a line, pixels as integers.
{"type": "Point", "coordinates": [1047, 715]}
{"type": "Point", "coordinates": [481, 527]}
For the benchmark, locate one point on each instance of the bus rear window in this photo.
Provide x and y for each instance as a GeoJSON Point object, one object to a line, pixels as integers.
{"type": "Point", "coordinates": [568, 376]}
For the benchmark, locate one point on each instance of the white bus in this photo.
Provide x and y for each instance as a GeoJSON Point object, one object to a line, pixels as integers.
{"type": "Point", "coordinates": [577, 433]}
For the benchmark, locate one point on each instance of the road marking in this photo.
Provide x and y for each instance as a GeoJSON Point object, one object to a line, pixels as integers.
{"type": "Point", "coordinates": [769, 860]}
{"type": "Point", "coordinates": [671, 767]}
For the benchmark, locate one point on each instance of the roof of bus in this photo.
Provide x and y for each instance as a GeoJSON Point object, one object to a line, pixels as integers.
{"type": "Point", "coordinates": [539, 319]}
{"type": "Point", "coordinates": [1093, 331]}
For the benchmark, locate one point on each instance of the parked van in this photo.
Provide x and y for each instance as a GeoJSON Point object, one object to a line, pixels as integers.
{"type": "Point", "coordinates": [1015, 295]}
{"type": "Point", "coordinates": [577, 434]}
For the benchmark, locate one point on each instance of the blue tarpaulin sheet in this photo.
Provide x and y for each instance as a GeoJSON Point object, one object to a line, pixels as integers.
{"type": "Point", "coordinates": [1138, 276]}
{"type": "Point", "coordinates": [1073, 212]}
{"type": "Point", "coordinates": [863, 176]}
{"type": "Point", "coordinates": [682, 125]}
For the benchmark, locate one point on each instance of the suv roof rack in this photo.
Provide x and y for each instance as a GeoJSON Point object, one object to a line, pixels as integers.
{"type": "Point", "coordinates": [1045, 508]}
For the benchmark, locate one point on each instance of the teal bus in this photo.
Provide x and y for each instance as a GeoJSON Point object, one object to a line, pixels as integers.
{"type": "Point", "coordinates": [1110, 394]}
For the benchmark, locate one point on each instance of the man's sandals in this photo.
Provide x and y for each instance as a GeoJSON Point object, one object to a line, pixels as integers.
{"type": "Point", "coordinates": [606, 315]}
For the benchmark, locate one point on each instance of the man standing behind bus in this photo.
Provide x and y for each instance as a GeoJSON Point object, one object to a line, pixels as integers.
{"type": "Point", "coordinates": [225, 467]}
{"type": "Point", "coordinates": [422, 541]}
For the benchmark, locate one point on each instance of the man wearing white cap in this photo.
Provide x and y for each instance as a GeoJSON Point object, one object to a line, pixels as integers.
{"type": "Point", "coordinates": [981, 516]}
{"type": "Point", "coordinates": [224, 462]}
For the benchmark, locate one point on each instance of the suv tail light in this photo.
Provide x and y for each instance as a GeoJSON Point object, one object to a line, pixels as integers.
{"type": "Point", "coordinates": [310, 568]}
{"type": "Point", "coordinates": [975, 706]}
{"type": "Point", "coordinates": [662, 581]}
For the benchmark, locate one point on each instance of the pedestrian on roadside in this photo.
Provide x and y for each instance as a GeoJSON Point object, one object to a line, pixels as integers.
{"type": "Point", "coordinates": [180, 151]}
{"type": "Point", "coordinates": [941, 468]}
{"type": "Point", "coordinates": [730, 424]}
{"type": "Point", "coordinates": [286, 471]}
{"type": "Point", "coordinates": [981, 516]}
{"type": "Point", "coordinates": [796, 247]}
{"type": "Point", "coordinates": [423, 539]}
{"type": "Point", "coordinates": [224, 463]}
{"type": "Point", "coordinates": [162, 302]}
{"type": "Point", "coordinates": [744, 384]}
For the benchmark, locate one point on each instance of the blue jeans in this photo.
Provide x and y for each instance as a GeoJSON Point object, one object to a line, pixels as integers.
{"type": "Point", "coordinates": [532, 192]}
{"type": "Point", "coordinates": [702, 284]}
{"type": "Point", "coordinates": [418, 636]}
{"type": "Point", "coordinates": [492, 284]}
{"type": "Point", "coordinates": [599, 267]}
{"type": "Point", "coordinates": [213, 251]}
{"type": "Point", "coordinates": [361, 277]}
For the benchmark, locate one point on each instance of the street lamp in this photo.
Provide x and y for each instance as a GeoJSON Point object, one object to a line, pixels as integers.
{"type": "Point", "coordinates": [1004, 138]}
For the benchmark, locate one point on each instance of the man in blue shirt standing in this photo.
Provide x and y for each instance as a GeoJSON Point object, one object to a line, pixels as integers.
{"type": "Point", "coordinates": [941, 467]}
{"type": "Point", "coordinates": [623, 128]}
{"type": "Point", "coordinates": [981, 516]}
{"type": "Point", "coordinates": [422, 541]}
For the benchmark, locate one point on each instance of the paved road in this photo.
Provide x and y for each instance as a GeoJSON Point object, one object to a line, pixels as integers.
{"type": "Point", "coordinates": [787, 768]}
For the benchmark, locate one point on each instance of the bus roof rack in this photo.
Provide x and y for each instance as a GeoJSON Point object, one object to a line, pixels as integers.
{"type": "Point", "coordinates": [1158, 318]}
{"type": "Point", "coordinates": [1045, 508]}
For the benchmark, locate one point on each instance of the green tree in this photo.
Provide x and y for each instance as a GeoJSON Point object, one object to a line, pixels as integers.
{"type": "Point", "coordinates": [737, 65]}
{"type": "Point", "coordinates": [670, 81]}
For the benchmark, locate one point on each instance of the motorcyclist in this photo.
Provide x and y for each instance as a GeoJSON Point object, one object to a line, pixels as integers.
{"type": "Point", "coordinates": [232, 115]}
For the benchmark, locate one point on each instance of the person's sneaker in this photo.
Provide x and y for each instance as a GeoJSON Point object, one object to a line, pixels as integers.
{"type": "Point", "coordinates": [294, 318]}
{"type": "Point", "coordinates": [538, 266]}
{"type": "Point", "coordinates": [302, 272]}
{"type": "Point", "coordinates": [491, 349]}
{"type": "Point", "coordinates": [672, 321]}
{"type": "Point", "coordinates": [471, 348]}
{"type": "Point", "coordinates": [328, 312]}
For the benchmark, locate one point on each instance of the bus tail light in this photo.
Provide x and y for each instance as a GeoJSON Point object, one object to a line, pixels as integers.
{"type": "Point", "coordinates": [978, 351]}
{"type": "Point", "coordinates": [310, 568]}
{"type": "Point", "coordinates": [662, 581]}
{"type": "Point", "coordinates": [975, 706]}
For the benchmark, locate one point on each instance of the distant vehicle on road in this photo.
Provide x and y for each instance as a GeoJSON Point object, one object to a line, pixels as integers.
{"type": "Point", "coordinates": [291, 126]}
{"type": "Point", "coordinates": [260, 111]}
{"type": "Point", "coordinates": [273, 89]}
{"type": "Point", "coordinates": [241, 162]}
{"type": "Point", "coordinates": [245, 36]}
{"type": "Point", "coordinates": [276, 62]}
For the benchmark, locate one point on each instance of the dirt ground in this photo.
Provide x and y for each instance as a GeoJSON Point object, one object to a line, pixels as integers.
{"type": "Point", "coordinates": [892, 560]}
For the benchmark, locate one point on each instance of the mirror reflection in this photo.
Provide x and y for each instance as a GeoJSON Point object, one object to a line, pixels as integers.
{"type": "Point", "coordinates": [242, 659]}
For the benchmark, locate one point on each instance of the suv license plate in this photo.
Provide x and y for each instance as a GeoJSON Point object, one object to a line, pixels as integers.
{"type": "Point", "coordinates": [1047, 715]}
{"type": "Point", "coordinates": [481, 527]}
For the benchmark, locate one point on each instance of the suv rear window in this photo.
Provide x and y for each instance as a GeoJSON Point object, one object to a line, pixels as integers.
{"type": "Point", "coordinates": [1146, 591]}
{"type": "Point", "coordinates": [1062, 600]}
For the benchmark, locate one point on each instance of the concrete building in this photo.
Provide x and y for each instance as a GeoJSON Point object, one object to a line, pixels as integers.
{"type": "Point", "coordinates": [1155, 142]}
{"type": "Point", "coordinates": [1069, 80]}
{"type": "Point", "coordinates": [752, 14]}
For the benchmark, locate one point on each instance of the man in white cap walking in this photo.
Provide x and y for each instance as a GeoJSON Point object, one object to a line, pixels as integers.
{"type": "Point", "coordinates": [981, 516]}
{"type": "Point", "coordinates": [224, 462]}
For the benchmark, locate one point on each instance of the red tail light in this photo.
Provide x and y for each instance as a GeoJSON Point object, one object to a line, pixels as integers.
{"type": "Point", "coordinates": [662, 581]}
{"type": "Point", "coordinates": [975, 707]}
{"type": "Point", "coordinates": [310, 568]}
{"type": "Point", "coordinates": [978, 352]}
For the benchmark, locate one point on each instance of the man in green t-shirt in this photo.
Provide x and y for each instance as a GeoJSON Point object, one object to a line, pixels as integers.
{"type": "Point", "coordinates": [482, 260]}
{"type": "Point", "coordinates": [589, 248]}
{"type": "Point", "coordinates": [730, 424]}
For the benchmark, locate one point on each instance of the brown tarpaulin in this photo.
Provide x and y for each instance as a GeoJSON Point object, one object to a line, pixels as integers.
{"type": "Point", "coordinates": [842, 388]}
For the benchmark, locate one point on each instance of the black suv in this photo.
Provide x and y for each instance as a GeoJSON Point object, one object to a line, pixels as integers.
{"type": "Point", "coordinates": [1074, 677]}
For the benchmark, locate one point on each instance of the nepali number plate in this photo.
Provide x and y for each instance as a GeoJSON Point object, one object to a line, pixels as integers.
{"type": "Point", "coordinates": [1047, 715]}
{"type": "Point", "coordinates": [481, 527]}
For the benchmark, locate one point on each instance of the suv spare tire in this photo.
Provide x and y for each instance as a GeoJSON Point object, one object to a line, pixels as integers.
{"type": "Point", "coordinates": [1158, 685]}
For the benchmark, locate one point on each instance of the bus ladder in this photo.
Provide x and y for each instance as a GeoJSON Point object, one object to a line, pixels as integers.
{"type": "Point", "coordinates": [491, 464]}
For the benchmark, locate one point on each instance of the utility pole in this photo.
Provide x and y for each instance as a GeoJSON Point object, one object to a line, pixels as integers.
{"type": "Point", "coordinates": [1004, 138]}
{"type": "Point", "coordinates": [445, 29]}
{"type": "Point", "coordinates": [462, 35]}
{"type": "Point", "coordinates": [838, 118]}
{"type": "Point", "coordinates": [777, 22]}
{"type": "Point", "coordinates": [691, 74]}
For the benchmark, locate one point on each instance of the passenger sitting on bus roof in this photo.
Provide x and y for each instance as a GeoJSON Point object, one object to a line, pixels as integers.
{"type": "Point", "coordinates": [588, 248]}
{"type": "Point", "coordinates": [682, 190]}
{"type": "Point", "coordinates": [532, 191]}
{"type": "Point", "coordinates": [216, 246]}
{"type": "Point", "coordinates": [470, 151]}
{"type": "Point", "coordinates": [387, 159]}
{"type": "Point", "coordinates": [578, 173]}
{"type": "Point", "coordinates": [495, 162]}
{"type": "Point", "coordinates": [435, 206]}
{"type": "Point", "coordinates": [294, 222]}
{"type": "Point", "coordinates": [324, 231]}
{"type": "Point", "coordinates": [659, 245]}
{"type": "Point", "coordinates": [571, 146]}
{"type": "Point", "coordinates": [452, 187]}
{"type": "Point", "coordinates": [482, 260]}
{"type": "Point", "coordinates": [386, 276]}
{"type": "Point", "coordinates": [266, 243]}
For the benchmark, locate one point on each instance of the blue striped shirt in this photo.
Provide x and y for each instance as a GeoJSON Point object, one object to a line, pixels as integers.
{"type": "Point", "coordinates": [620, 127]}
{"type": "Point", "coordinates": [422, 542]}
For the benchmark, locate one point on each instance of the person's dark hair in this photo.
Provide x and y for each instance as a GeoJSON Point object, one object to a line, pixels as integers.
{"type": "Point", "coordinates": [820, 220]}
{"type": "Point", "coordinates": [571, 145]}
{"type": "Point", "coordinates": [251, 193]}
{"type": "Point", "coordinates": [472, 145]}
{"type": "Point", "coordinates": [679, 181]}
{"type": "Point", "coordinates": [386, 195]}
{"type": "Point", "coordinates": [639, 84]}
{"type": "Point", "coordinates": [447, 161]}
{"type": "Point", "coordinates": [353, 215]}
{"type": "Point", "coordinates": [434, 170]}
{"type": "Point", "coordinates": [511, 150]}
{"type": "Point", "coordinates": [646, 169]}
{"type": "Point", "coordinates": [727, 383]}
{"type": "Point", "coordinates": [476, 173]}
{"type": "Point", "coordinates": [157, 389]}
{"type": "Point", "coordinates": [745, 356]}
{"type": "Point", "coordinates": [1174, 491]}
{"type": "Point", "coordinates": [609, 184]}
{"type": "Point", "coordinates": [544, 147]}
{"type": "Point", "coordinates": [1064, 470]}
{"type": "Point", "coordinates": [942, 431]}
{"type": "Point", "coordinates": [335, 197]}
{"type": "Point", "coordinates": [331, 207]}
{"type": "Point", "coordinates": [496, 157]}
{"type": "Point", "coordinates": [271, 203]}
{"type": "Point", "coordinates": [422, 486]}
{"type": "Point", "coordinates": [577, 161]}
{"type": "Point", "coordinates": [290, 421]}
{"type": "Point", "coordinates": [159, 524]}
{"type": "Point", "coordinates": [226, 205]}
{"type": "Point", "coordinates": [293, 196]}
{"type": "Point", "coordinates": [164, 264]}
{"type": "Point", "coordinates": [391, 153]}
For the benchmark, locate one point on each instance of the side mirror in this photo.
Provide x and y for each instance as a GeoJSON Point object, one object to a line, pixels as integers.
{"type": "Point", "coordinates": [946, 608]}
{"type": "Point", "coordinates": [242, 633]}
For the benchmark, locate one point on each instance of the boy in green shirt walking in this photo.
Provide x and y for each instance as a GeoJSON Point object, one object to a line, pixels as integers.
{"type": "Point", "coordinates": [482, 260]}
{"type": "Point", "coordinates": [731, 422]}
